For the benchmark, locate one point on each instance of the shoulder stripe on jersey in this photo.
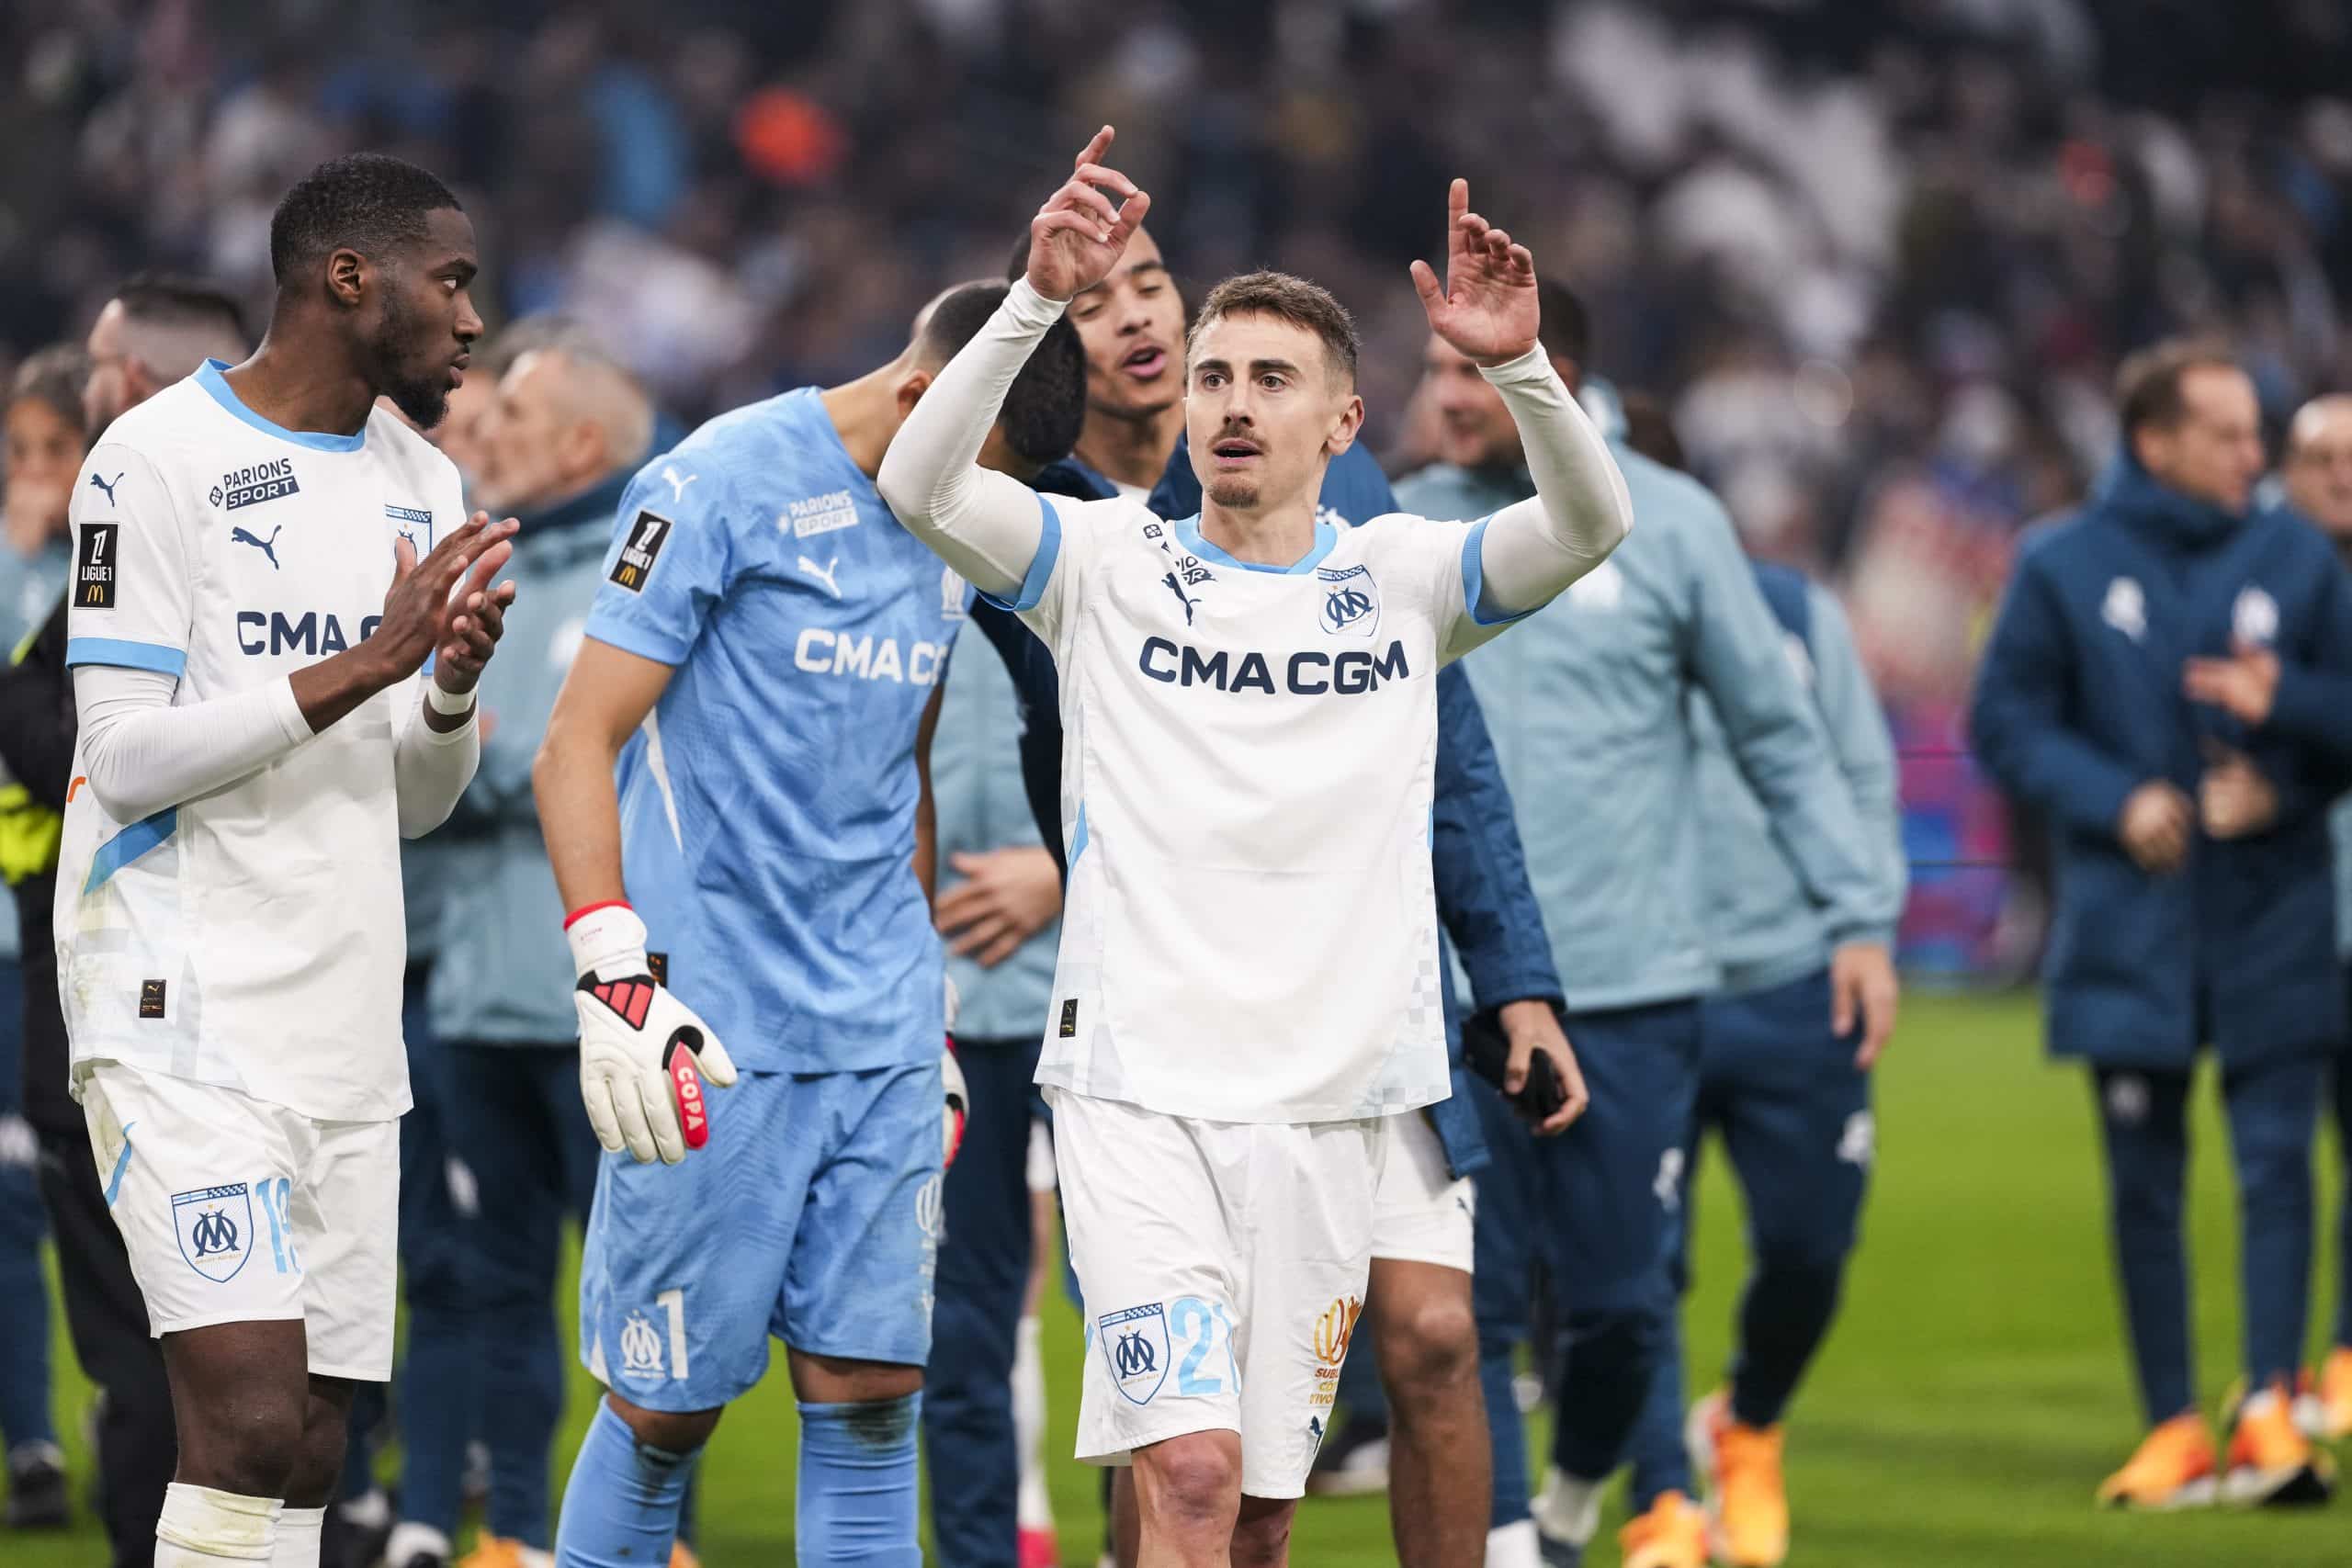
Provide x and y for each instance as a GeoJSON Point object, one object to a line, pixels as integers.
{"type": "Point", "coordinates": [1041, 565]}
{"type": "Point", "coordinates": [208, 377]}
{"type": "Point", "coordinates": [1474, 579]}
{"type": "Point", "coordinates": [127, 654]}
{"type": "Point", "coordinates": [129, 844]}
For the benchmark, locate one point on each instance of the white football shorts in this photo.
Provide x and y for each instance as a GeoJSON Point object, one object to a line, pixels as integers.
{"type": "Point", "coordinates": [1223, 1266]}
{"type": "Point", "coordinates": [238, 1211]}
{"type": "Point", "coordinates": [1422, 1213]}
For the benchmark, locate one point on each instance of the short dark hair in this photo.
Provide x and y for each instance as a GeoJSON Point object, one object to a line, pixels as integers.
{"type": "Point", "coordinates": [369, 201]}
{"type": "Point", "coordinates": [169, 299]}
{"type": "Point", "coordinates": [1045, 406]}
{"type": "Point", "coordinates": [1649, 430]}
{"type": "Point", "coordinates": [1287, 298]}
{"type": "Point", "coordinates": [2148, 384]}
{"type": "Point", "coordinates": [1566, 332]}
{"type": "Point", "coordinates": [55, 377]}
{"type": "Point", "coordinates": [1018, 266]}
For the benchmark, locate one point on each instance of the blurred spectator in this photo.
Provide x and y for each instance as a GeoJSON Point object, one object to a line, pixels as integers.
{"type": "Point", "coordinates": [2317, 483]}
{"type": "Point", "coordinates": [2195, 904]}
{"type": "Point", "coordinates": [45, 441]}
{"type": "Point", "coordinates": [155, 331]}
{"type": "Point", "coordinates": [567, 429]}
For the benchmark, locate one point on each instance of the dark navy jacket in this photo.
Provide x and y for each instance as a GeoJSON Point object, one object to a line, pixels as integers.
{"type": "Point", "coordinates": [2080, 701]}
{"type": "Point", "coordinates": [1484, 900]}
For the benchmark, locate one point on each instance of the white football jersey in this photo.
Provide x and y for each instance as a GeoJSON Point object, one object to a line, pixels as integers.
{"type": "Point", "coordinates": [251, 938]}
{"type": "Point", "coordinates": [1247, 770]}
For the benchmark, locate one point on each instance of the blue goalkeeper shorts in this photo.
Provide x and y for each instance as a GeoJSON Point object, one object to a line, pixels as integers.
{"type": "Point", "coordinates": [813, 1215]}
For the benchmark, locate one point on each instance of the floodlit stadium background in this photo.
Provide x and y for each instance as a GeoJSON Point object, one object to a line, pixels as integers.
{"type": "Point", "coordinates": [1876, 258]}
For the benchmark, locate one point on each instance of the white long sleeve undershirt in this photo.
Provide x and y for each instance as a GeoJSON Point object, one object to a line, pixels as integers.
{"type": "Point", "coordinates": [141, 754]}
{"type": "Point", "coordinates": [988, 527]}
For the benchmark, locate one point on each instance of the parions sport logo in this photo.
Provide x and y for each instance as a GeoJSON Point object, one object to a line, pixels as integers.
{"type": "Point", "coordinates": [272, 480]}
{"type": "Point", "coordinates": [1306, 673]}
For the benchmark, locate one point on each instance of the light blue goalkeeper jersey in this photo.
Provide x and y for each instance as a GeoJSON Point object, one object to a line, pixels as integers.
{"type": "Point", "coordinates": [768, 806]}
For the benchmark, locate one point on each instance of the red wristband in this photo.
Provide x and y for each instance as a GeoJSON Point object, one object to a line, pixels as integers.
{"type": "Point", "coordinates": [587, 910]}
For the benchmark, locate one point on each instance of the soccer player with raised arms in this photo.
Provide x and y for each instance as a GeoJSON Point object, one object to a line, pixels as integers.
{"type": "Point", "coordinates": [1247, 978]}
{"type": "Point", "coordinates": [249, 614]}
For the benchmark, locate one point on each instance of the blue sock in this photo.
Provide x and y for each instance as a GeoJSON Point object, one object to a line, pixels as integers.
{"type": "Point", "coordinates": [620, 1510]}
{"type": "Point", "coordinates": [857, 1484]}
{"type": "Point", "coordinates": [1505, 1435]}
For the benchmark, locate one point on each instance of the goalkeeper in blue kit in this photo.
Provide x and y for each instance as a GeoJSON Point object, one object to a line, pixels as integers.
{"type": "Point", "coordinates": [762, 661]}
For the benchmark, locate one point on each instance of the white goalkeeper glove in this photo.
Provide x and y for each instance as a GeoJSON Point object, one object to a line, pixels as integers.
{"type": "Point", "coordinates": [643, 1053]}
{"type": "Point", "coordinates": [958, 1098]}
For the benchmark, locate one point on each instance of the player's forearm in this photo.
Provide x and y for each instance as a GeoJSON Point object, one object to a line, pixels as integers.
{"type": "Point", "coordinates": [987, 525]}
{"type": "Point", "coordinates": [1534, 549]}
{"type": "Point", "coordinates": [432, 763]}
{"type": "Point", "coordinates": [141, 754]}
{"type": "Point", "coordinates": [580, 814]}
{"type": "Point", "coordinates": [334, 688]}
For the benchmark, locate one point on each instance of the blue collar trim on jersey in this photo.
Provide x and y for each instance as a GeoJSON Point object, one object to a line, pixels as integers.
{"type": "Point", "coordinates": [1188, 529]}
{"type": "Point", "coordinates": [208, 377]}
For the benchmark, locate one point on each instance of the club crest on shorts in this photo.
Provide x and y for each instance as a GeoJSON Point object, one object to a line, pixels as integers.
{"type": "Point", "coordinates": [1135, 1344]}
{"type": "Point", "coordinates": [1351, 604]}
{"type": "Point", "coordinates": [215, 1229]}
{"type": "Point", "coordinates": [641, 1351]}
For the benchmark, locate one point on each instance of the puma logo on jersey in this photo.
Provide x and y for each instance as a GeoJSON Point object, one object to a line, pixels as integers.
{"type": "Point", "coordinates": [1307, 673]}
{"type": "Point", "coordinates": [823, 574]}
{"type": "Point", "coordinates": [268, 547]}
{"type": "Point", "coordinates": [106, 485]}
{"type": "Point", "coordinates": [1178, 588]}
{"type": "Point", "coordinates": [677, 485]}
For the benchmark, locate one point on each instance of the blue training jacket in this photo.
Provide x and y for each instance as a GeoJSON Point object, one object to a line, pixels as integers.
{"type": "Point", "coordinates": [1485, 903]}
{"type": "Point", "coordinates": [2078, 701]}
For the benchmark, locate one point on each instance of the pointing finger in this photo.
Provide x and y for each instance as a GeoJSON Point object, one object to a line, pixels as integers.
{"type": "Point", "coordinates": [1096, 148]}
{"type": "Point", "coordinates": [1096, 174]}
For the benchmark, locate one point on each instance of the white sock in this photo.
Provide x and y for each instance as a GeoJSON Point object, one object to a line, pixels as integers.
{"type": "Point", "coordinates": [1513, 1546]}
{"type": "Point", "coordinates": [370, 1510]}
{"type": "Point", "coordinates": [298, 1537]}
{"type": "Point", "coordinates": [409, 1538]}
{"type": "Point", "coordinates": [1569, 1508]}
{"type": "Point", "coordinates": [1036, 1506]}
{"type": "Point", "coordinates": [201, 1527]}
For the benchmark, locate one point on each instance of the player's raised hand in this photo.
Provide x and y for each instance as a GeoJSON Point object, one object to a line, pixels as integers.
{"type": "Point", "coordinates": [417, 609]}
{"type": "Point", "coordinates": [643, 1053]}
{"type": "Point", "coordinates": [1079, 235]}
{"type": "Point", "coordinates": [1486, 306]}
{"type": "Point", "coordinates": [474, 620]}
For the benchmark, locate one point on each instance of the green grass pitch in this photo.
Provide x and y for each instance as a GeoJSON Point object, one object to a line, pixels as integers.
{"type": "Point", "coordinates": [1972, 1396]}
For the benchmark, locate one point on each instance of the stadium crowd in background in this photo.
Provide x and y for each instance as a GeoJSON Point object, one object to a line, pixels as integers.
{"type": "Point", "coordinates": [1879, 261]}
{"type": "Point", "coordinates": [1878, 281]}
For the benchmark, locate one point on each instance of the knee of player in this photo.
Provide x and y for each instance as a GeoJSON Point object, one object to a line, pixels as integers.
{"type": "Point", "coordinates": [252, 1447]}
{"type": "Point", "coordinates": [1192, 1482]}
{"type": "Point", "coordinates": [1430, 1344]}
{"type": "Point", "coordinates": [677, 1432]}
{"type": "Point", "coordinates": [1818, 1260]}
